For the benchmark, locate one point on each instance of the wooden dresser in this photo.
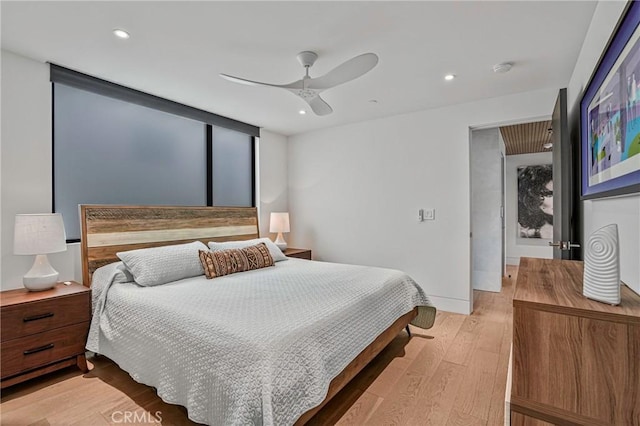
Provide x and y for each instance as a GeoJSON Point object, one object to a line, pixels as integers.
{"type": "Point", "coordinates": [43, 331]}
{"type": "Point", "coordinates": [575, 361]}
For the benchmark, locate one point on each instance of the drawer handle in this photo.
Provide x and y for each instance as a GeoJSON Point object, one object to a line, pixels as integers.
{"type": "Point", "coordinates": [40, 349]}
{"type": "Point", "coordinates": [37, 317]}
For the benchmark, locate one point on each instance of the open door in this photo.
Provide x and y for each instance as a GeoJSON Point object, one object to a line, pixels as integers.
{"type": "Point", "coordinates": [564, 235]}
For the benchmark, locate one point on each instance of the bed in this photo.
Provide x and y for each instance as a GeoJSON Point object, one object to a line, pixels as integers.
{"type": "Point", "coordinates": [269, 346]}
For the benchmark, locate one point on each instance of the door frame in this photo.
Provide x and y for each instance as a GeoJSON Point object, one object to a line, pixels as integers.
{"type": "Point", "coordinates": [491, 125]}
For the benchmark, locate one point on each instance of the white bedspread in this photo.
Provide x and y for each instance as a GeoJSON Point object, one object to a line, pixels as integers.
{"type": "Point", "coordinates": [258, 347]}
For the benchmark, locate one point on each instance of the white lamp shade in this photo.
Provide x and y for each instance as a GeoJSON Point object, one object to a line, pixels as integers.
{"type": "Point", "coordinates": [39, 234]}
{"type": "Point", "coordinates": [279, 222]}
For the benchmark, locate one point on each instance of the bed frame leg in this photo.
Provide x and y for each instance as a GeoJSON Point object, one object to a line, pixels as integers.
{"type": "Point", "coordinates": [408, 330]}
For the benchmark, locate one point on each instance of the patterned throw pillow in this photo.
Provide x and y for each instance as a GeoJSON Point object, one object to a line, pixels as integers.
{"type": "Point", "coordinates": [225, 262]}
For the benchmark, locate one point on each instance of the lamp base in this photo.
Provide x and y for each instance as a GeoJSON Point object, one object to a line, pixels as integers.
{"type": "Point", "coordinates": [41, 276]}
{"type": "Point", "coordinates": [280, 242]}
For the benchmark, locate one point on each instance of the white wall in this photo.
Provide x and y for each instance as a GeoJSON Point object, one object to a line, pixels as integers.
{"type": "Point", "coordinates": [623, 211]}
{"type": "Point", "coordinates": [273, 177]}
{"type": "Point", "coordinates": [486, 201]}
{"type": "Point", "coordinates": [26, 166]}
{"type": "Point", "coordinates": [355, 191]}
{"type": "Point", "coordinates": [26, 161]}
{"type": "Point", "coordinates": [517, 248]}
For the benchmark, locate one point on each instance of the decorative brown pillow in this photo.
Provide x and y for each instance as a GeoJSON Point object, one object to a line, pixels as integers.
{"type": "Point", "coordinates": [225, 262]}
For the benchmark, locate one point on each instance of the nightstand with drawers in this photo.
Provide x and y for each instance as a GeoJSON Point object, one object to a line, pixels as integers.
{"type": "Point", "coordinates": [43, 331]}
{"type": "Point", "coordinates": [299, 253]}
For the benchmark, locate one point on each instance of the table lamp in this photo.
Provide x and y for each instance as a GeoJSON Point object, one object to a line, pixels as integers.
{"type": "Point", "coordinates": [39, 234]}
{"type": "Point", "coordinates": [279, 223]}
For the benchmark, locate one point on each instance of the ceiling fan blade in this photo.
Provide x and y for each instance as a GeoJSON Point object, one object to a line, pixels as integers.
{"type": "Point", "coordinates": [294, 85]}
{"type": "Point", "coordinates": [353, 68]}
{"type": "Point", "coordinates": [319, 106]}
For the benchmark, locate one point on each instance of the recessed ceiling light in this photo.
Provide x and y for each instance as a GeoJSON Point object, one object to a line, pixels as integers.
{"type": "Point", "coordinates": [449, 77]}
{"type": "Point", "coordinates": [121, 33]}
{"type": "Point", "coordinates": [302, 112]}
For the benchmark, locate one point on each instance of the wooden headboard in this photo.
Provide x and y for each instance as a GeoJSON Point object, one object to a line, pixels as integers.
{"type": "Point", "coordinates": [107, 230]}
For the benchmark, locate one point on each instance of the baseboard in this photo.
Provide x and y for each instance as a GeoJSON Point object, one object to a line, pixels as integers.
{"type": "Point", "coordinates": [447, 304]}
{"type": "Point", "coordinates": [487, 287]}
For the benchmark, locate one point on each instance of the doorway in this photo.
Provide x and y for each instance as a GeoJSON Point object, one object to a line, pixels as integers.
{"type": "Point", "coordinates": [529, 171]}
{"type": "Point", "coordinates": [499, 156]}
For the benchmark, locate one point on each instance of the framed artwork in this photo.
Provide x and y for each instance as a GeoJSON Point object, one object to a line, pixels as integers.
{"type": "Point", "coordinates": [610, 115]}
{"type": "Point", "coordinates": [535, 202]}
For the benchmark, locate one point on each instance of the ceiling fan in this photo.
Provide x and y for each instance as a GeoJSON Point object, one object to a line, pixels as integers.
{"type": "Point", "coordinates": [309, 88]}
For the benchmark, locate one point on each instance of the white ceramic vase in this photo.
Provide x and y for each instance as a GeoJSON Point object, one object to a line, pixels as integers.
{"type": "Point", "coordinates": [602, 266]}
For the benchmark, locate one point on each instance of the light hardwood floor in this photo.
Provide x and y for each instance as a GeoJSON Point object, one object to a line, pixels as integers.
{"type": "Point", "coordinates": [452, 374]}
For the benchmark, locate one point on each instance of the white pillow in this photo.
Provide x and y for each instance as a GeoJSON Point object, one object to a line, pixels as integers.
{"type": "Point", "coordinates": [275, 252]}
{"type": "Point", "coordinates": [160, 265]}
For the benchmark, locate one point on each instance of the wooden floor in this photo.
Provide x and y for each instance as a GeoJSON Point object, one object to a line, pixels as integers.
{"type": "Point", "coordinates": [452, 374]}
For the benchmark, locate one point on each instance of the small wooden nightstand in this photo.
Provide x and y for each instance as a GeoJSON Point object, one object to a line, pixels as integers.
{"type": "Point", "coordinates": [43, 331]}
{"type": "Point", "coordinates": [298, 253]}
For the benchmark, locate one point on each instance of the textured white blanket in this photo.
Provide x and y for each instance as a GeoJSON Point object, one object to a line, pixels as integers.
{"type": "Point", "coordinates": [258, 347]}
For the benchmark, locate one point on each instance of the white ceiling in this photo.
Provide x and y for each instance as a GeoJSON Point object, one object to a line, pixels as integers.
{"type": "Point", "coordinates": [177, 49]}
